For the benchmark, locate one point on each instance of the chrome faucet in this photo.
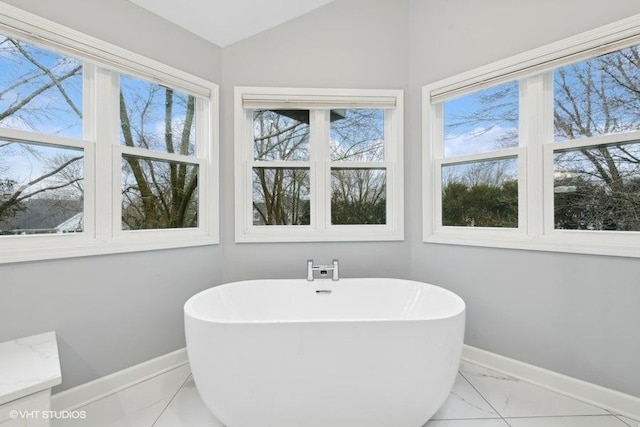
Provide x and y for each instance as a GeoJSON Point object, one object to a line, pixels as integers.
{"type": "Point", "coordinates": [323, 269]}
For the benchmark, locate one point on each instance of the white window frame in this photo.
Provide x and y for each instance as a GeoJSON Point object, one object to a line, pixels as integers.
{"type": "Point", "coordinates": [534, 72]}
{"type": "Point", "coordinates": [319, 102]}
{"type": "Point", "coordinates": [103, 62]}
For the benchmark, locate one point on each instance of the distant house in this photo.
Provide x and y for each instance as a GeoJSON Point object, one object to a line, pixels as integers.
{"type": "Point", "coordinates": [74, 224]}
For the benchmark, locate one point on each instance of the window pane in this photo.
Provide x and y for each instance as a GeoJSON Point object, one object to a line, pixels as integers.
{"type": "Point", "coordinates": [598, 188]}
{"type": "Point", "coordinates": [41, 189]}
{"type": "Point", "coordinates": [357, 135]}
{"type": "Point", "coordinates": [156, 117]}
{"type": "Point", "coordinates": [158, 194]}
{"type": "Point", "coordinates": [358, 196]}
{"type": "Point", "coordinates": [599, 96]}
{"type": "Point", "coordinates": [281, 196]}
{"type": "Point", "coordinates": [40, 91]}
{"type": "Point", "coordinates": [482, 122]}
{"type": "Point", "coordinates": [480, 194]}
{"type": "Point", "coordinates": [281, 134]}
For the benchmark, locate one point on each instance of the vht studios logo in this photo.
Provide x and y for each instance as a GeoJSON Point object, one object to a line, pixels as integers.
{"type": "Point", "coordinates": [48, 415]}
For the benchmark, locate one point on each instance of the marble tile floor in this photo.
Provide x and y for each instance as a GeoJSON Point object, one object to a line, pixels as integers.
{"type": "Point", "coordinates": [480, 398]}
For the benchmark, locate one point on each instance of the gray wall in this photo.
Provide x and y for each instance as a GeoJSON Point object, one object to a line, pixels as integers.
{"type": "Point", "coordinates": [574, 314]}
{"type": "Point", "coordinates": [109, 312]}
{"type": "Point", "coordinates": [112, 312]}
{"type": "Point", "coordinates": [346, 44]}
{"type": "Point", "coordinates": [129, 26]}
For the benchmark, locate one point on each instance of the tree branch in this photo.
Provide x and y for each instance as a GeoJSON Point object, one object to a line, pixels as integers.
{"type": "Point", "coordinates": [48, 72]}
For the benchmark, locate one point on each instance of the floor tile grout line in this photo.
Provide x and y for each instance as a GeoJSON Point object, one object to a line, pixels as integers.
{"type": "Point", "coordinates": [468, 418]}
{"type": "Point", "coordinates": [620, 417]}
{"type": "Point", "coordinates": [489, 414]}
{"type": "Point", "coordinates": [563, 416]}
{"type": "Point", "coordinates": [484, 398]}
{"type": "Point", "coordinates": [623, 421]}
{"type": "Point", "coordinates": [172, 399]}
{"type": "Point", "coordinates": [465, 419]}
{"type": "Point", "coordinates": [634, 420]}
{"type": "Point", "coordinates": [499, 415]}
{"type": "Point", "coordinates": [549, 389]}
{"type": "Point", "coordinates": [514, 378]}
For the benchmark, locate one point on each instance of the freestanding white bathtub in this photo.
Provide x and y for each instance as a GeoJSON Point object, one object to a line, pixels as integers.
{"type": "Point", "coordinates": [369, 353]}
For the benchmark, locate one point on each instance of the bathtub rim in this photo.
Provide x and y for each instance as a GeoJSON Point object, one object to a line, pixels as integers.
{"type": "Point", "coordinates": [188, 309]}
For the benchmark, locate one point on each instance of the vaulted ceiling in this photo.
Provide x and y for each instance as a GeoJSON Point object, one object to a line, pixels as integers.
{"type": "Point", "coordinates": [224, 22]}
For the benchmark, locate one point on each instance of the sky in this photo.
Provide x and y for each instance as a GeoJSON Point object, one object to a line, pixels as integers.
{"type": "Point", "coordinates": [48, 112]}
{"type": "Point", "coordinates": [477, 140]}
{"type": "Point", "coordinates": [481, 121]}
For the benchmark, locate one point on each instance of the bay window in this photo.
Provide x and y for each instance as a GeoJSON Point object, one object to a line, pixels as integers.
{"type": "Point", "coordinates": [318, 165]}
{"type": "Point", "coordinates": [101, 150]}
{"type": "Point", "coordinates": [539, 151]}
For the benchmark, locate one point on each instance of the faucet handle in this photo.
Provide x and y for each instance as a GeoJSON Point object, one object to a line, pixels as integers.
{"type": "Point", "coordinates": [310, 270]}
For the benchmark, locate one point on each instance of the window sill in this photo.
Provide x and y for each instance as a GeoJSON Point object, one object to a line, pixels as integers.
{"type": "Point", "coordinates": [576, 242]}
{"type": "Point", "coordinates": [283, 234]}
{"type": "Point", "coordinates": [77, 246]}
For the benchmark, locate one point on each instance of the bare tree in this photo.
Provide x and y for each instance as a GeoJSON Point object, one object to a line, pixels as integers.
{"type": "Point", "coordinates": [596, 97]}
{"type": "Point", "coordinates": [23, 103]}
{"type": "Point", "coordinates": [489, 172]}
{"type": "Point", "coordinates": [157, 194]}
{"type": "Point", "coordinates": [599, 97]}
{"type": "Point", "coordinates": [359, 196]}
{"type": "Point", "coordinates": [492, 108]}
{"type": "Point", "coordinates": [281, 194]}
{"type": "Point", "coordinates": [160, 194]}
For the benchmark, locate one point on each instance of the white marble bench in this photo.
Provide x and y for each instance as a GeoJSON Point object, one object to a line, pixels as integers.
{"type": "Point", "coordinates": [29, 368]}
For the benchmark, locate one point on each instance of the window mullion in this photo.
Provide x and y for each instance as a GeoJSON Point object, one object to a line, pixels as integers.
{"type": "Point", "coordinates": [104, 108]}
{"type": "Point", "coordinates": [89, 124]}
{"type": "Point", "coordinates": [544, 161]}
{"type": "Point", "coordinates": [529, 190]}
{"type": "Point", "coordinates": [320, 169]}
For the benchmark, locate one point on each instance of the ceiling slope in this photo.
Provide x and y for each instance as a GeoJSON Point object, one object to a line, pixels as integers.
{"type": "Point", "coordinates": [224, 22]}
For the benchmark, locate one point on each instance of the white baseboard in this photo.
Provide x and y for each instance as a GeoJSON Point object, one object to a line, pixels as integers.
{"type": "Point", "coordinates": [615, 401]}
{"type": "Point", "coordinates": [605, 398]}
{"type": "Point", "coordinates": [102, 387]}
